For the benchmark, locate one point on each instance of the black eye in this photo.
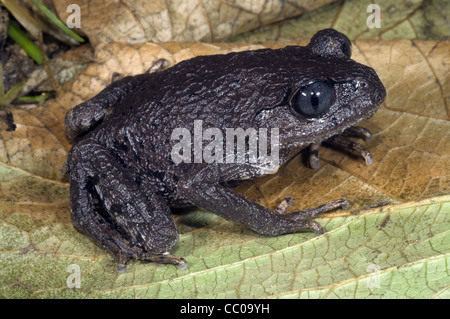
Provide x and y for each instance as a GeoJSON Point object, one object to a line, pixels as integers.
{"type": "Point", "coordinates": [314, 99]}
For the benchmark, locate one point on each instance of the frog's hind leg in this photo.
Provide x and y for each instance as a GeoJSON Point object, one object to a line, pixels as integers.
{"type": "Point", "coordinates": [109, 206]}
{"type": "Point", "coordinates": [203, 190]}
{"type": "Point", "coordinates": [87, 221]}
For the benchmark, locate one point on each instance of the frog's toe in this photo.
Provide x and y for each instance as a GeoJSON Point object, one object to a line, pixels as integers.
{"type": "Point", "coordinates": [342, 142]}
{"type": "Point", "coordinates": [318, 229]}
{"type": "Point", "coordinates": [358, 132]}
{"type": "Point", "coordinates": [313, 212]}
{"type": "Point", "coordinates": [303, 219]}
{"type": "Point", "coordinates": [313, 155]}
{"type": "Point", "coordinates": [165, 258]}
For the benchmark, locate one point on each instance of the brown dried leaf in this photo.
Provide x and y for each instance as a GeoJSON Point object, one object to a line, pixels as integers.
{"type": "Point", "coordinates": [137, 21]}
{"type": "Point", "coordinates": [411, 129]}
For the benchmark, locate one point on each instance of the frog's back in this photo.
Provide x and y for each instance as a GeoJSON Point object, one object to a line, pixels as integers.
{"type": "Point", "coordinates": [211, 88]}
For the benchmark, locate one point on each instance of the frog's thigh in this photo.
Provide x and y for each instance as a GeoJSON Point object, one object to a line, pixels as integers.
{"type": "Point", "coordinates": [84, 116]}
{"type": "Point", "coordinates": [147, 221]}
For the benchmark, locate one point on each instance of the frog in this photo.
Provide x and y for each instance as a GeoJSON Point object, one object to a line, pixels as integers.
{"type": "Point", "coordinates": [125, 183]}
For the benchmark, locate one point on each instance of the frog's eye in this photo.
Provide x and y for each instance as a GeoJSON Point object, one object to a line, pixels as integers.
{"type": "Point", "coordinates": [313, 99]}
{"type": "Point", "coordinates": [330, 42]}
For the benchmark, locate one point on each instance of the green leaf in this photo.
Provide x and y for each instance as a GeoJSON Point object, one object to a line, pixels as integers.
{"type": "Point", "coordinates": [408, 245]}
{"type": "Point", "coordinates": [25, 43]}
{"type": "Point", "coordinates": [58, 23]}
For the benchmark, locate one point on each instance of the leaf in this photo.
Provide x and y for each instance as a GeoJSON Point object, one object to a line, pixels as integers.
{"type": "Point", "coordinates": [408, 242]}
{"type": "Point", "coordinates": [137, 21]}
{"type": "Point", "coordinates": [399, 19]}
{"type": "Point", "coordinates": [408, 245]}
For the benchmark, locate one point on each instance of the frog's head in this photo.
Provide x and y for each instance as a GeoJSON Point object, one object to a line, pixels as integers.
{"type": "Point", "coordinates": [329, 92]}
{"type": "Point", "coordinates": [340, 83]}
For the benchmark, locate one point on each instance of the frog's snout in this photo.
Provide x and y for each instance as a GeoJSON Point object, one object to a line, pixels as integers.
{"type": "Point", "coordinates": [380, 95]}
{"type": "Point", "coordinates": [378, 91]}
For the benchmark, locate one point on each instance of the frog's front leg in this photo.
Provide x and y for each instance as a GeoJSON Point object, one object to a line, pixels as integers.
{"type": "Point", "coordinates": [109, 206]}
{"type": "Point", "coordinates": [342, 142]}
{"type": "Point", "coordinates": [202, 189]}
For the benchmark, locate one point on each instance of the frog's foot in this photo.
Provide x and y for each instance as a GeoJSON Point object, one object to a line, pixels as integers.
{"type": "Point", "coordinates": [343, 143]}
{"type": "Point", "coordinates": [112, 240]}
{"type": "Point", "coordinates": [165, 258]}
{"type": "Point", "coordinates": [304, 217]}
